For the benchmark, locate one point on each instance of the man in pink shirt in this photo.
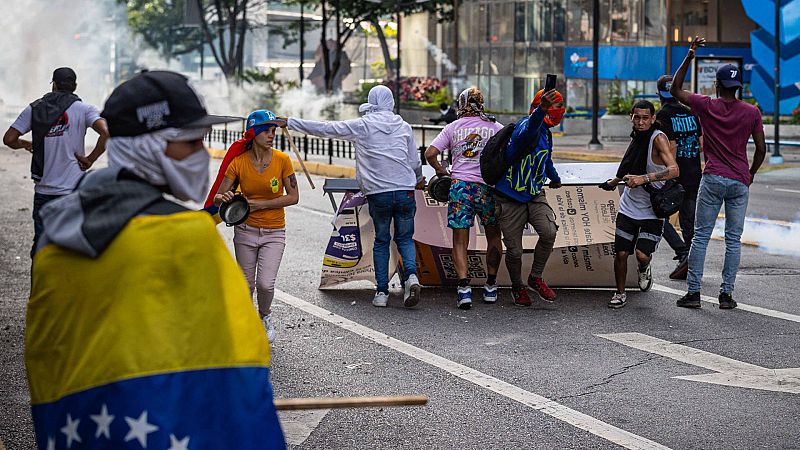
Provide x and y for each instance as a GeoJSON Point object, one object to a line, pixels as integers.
{"type": "Point", "coordinates": [728, 123]}
{"type": "Point", "coordinates": [469, 194]}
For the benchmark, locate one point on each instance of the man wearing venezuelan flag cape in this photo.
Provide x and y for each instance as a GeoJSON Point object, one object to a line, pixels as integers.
{"type": "Point", "coordinates": [140, 328]}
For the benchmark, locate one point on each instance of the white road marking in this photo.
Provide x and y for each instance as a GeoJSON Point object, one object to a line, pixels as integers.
{"type": "Point", "coordinates": [728, 371]}
{"type": "Point", "coordinates": [791, 191]}
{"type": "Point", "coordinates": [742, 306]}
{"type": "Point", "coordinates": [298, 425]}
{"type": "Point", "coordinates": [543, 404]}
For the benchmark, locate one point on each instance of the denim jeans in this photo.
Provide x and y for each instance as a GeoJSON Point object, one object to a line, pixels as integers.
{"type": "Point", "coordinates": [399, 206]}
{"type": "Point", "coordinates": [714, 191]}
{"type": "Point", "coordinates": [39, 200]}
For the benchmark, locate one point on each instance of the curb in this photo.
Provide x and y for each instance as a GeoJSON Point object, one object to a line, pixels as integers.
{"type": "Point", "coordinates": [314, 168]}
{"type": "Point", "coordinates": [581, 156]}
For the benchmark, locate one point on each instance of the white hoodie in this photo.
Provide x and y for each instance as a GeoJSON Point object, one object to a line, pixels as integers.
{"type": "Point", "coordinates": [387, 158]}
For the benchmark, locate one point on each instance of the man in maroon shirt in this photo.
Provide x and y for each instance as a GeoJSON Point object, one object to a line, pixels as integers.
{"type": "Point", "coordinates": [727, 124]}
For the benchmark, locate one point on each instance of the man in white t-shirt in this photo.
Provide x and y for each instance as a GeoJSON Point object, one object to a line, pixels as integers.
{"type": "Point", "coordinates": [58, 122]}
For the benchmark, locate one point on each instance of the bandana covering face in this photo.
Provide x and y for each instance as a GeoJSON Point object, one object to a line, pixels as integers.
{"type": "Point", "coordinates": [186, 179]}
{"type": "Point", "coordinates": [470, 103]}
{"type": "Point", "coordinates": [553, 115]}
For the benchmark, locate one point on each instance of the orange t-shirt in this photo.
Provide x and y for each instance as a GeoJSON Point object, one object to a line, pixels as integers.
{"type": "Point", "coordinates": [266, 185]}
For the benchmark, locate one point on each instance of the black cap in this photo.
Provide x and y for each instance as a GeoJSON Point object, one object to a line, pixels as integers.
{"type": "Point", "coordinates": [730, 76]}
{"type": "Point", "coordinates": [65, 77]}
{"type": "Point", "coordinates": [664, 84]}
{"type": "Point", "coordinates": [155, 100]}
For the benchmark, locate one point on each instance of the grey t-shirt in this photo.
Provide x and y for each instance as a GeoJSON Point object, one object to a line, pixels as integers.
{"type": "Point", "coordinates": [66, 138]}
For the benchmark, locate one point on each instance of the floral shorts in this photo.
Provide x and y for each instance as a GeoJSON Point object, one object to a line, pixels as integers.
{"type": "Point", "coordinates": [468, 199]}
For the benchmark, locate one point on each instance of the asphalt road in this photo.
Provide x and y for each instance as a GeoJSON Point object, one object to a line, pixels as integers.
{"type": "Point", "coordinates": [498, 376]}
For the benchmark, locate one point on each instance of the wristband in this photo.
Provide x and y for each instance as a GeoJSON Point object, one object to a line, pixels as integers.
{"type": "Point", "coordinates": [647, 178]}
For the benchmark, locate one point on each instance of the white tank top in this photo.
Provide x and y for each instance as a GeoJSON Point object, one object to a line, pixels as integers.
{"type": "Point", "coordinates": [635, 203]}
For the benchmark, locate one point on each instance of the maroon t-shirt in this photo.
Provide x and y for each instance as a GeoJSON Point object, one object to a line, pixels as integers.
{"type": "Point", "coordinates": [727, 126]}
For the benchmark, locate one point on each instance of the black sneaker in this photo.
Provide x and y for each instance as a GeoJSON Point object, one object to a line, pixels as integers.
{"type": "Point", "coordinates": [690, 300]}
{"type": "Point", "coordinates": [681, 270]}
{"type": "Point", "coordinates": [726, 301]}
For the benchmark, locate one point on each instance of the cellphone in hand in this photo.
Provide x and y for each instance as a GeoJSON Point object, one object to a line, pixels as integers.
{"type": "Point", "coordinates": [550, 82]}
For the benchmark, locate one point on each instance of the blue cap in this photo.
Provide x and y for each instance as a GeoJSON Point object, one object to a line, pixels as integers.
{"type": "Point", "coordinates": [730, 75]}
{"type": "Point", "coordinates": [260, 117]}
{"type": "Point", "coordinates": [664, 84]}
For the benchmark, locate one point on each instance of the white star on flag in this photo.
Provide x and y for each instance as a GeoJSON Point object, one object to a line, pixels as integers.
{"type": "Point", "coordinates": [139, 429]}
{"type": "Point", "coordinates": [175, 444]}
{"type": "Point", "coordinates": [71, 430]}
{"type": "Point", "coordinates": [103, 421]}
{"type": "Point", "coordinates": [51, 443]}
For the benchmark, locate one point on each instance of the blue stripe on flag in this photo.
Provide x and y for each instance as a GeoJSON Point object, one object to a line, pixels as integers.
{"type": "Point", "coordinates": [227, 408]}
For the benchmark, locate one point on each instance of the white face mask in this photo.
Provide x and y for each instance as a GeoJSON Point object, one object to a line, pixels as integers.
{"type": "Point", "coordinates": [188, 178]}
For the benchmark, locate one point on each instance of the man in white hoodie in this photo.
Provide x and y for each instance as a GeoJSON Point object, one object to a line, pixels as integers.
{"type": "Point", "coordinates": [388, 169]}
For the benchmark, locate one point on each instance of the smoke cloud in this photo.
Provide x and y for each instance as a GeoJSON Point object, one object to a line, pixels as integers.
{"type": "Point", "coordinates": [777, 238]}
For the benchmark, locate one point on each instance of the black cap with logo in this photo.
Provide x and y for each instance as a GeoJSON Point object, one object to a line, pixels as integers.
{"type": "Point", "coordinates": [155, 100]}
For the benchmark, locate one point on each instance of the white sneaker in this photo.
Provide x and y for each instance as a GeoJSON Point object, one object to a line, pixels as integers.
{"type": "Point", "coordinates": [380, 300]}
{"type": "Point", "coordinates": [645, 279]}
{"type": "Point", "coordinates": [271, 333]}
{"type": "Point", "coordinates": [411, 294]}
{"type": "Point", "coordinates": [618, 300]}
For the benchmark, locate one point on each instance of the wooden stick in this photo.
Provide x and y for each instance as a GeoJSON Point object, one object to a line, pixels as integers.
{"type": "Point", "coordinates": [297, 153]}
{"type": "Point", "coordinates": [291, 404]}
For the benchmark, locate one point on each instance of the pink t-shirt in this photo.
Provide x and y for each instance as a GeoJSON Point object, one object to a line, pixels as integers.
{"type": "Point", "coordinates": [727, 126]}
{"type": "Point", "coordinates": [465, 139]}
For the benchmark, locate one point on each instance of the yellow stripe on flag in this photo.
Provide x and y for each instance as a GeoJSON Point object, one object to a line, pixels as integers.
{"type": "Point", "coordinates": [165, 296]}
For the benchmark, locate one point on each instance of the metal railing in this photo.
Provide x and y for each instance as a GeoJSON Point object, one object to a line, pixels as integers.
{"type": "Point", "coordinates": [317, 146]}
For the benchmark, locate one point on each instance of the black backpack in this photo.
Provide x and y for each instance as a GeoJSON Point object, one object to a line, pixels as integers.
{"type": "Point", "coordinates": [493, 156]}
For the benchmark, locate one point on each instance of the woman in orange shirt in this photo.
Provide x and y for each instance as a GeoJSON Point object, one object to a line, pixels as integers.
{"type": "Point", "coordinates": [266, 178]}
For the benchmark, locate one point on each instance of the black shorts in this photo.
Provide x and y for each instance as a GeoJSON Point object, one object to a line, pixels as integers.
{"type": "Point", "coordinates": [643, 235]}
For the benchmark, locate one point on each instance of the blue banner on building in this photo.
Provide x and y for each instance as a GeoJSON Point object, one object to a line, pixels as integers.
{"type": "Point", "coordinates": [617, 63]}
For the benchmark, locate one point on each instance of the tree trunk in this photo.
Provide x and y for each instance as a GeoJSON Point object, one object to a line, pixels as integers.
{"type": "Point", "coordinates": [326, 57]}
{"type": "Point", "coordinates": [337, 56]}
{"type": "Point", "coordinates": [387, 58]}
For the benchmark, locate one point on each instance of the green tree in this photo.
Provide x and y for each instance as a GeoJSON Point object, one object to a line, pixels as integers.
{"type": "Point", "coordinates": [161, 25]}
{"type": "Point", "coordinates": [344, 16]}
{"type": "Point", "coordinates": [223, 26]}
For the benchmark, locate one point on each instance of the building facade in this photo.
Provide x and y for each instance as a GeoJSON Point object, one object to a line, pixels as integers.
{"type": "Point", "coordinates": [507, 47]}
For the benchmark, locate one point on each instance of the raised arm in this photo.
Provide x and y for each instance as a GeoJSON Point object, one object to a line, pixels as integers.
{"type": "Point", "coordinates": [677, 80]}
{"type": "Point", "coordinates": [345, 129]}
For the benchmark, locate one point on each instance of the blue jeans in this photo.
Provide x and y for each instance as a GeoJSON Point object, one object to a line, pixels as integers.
{"type": "Point", "coordinates": [383, 208]}
{"type": "Point", "coordinates": [714, 191]}
{"type": "Point", "coordinates": [39, 200]}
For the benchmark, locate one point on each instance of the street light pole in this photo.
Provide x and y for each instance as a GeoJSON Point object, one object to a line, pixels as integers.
{"type": "Point", "coordinates": [776, 157]}
{"type": "Point", "coordinates": [595, 144]}
{"type": "Point", "coordinates": [397, 66]}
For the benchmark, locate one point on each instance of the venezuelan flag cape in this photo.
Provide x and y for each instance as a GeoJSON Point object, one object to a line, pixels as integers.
{"type": "Point", "coordinates": [154, 344]}
{"type": "Point", "coordinates": [236, 149]}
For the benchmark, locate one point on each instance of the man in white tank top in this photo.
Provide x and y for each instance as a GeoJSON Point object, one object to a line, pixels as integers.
{"type": "Point", "coordinates": [647, 161]}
